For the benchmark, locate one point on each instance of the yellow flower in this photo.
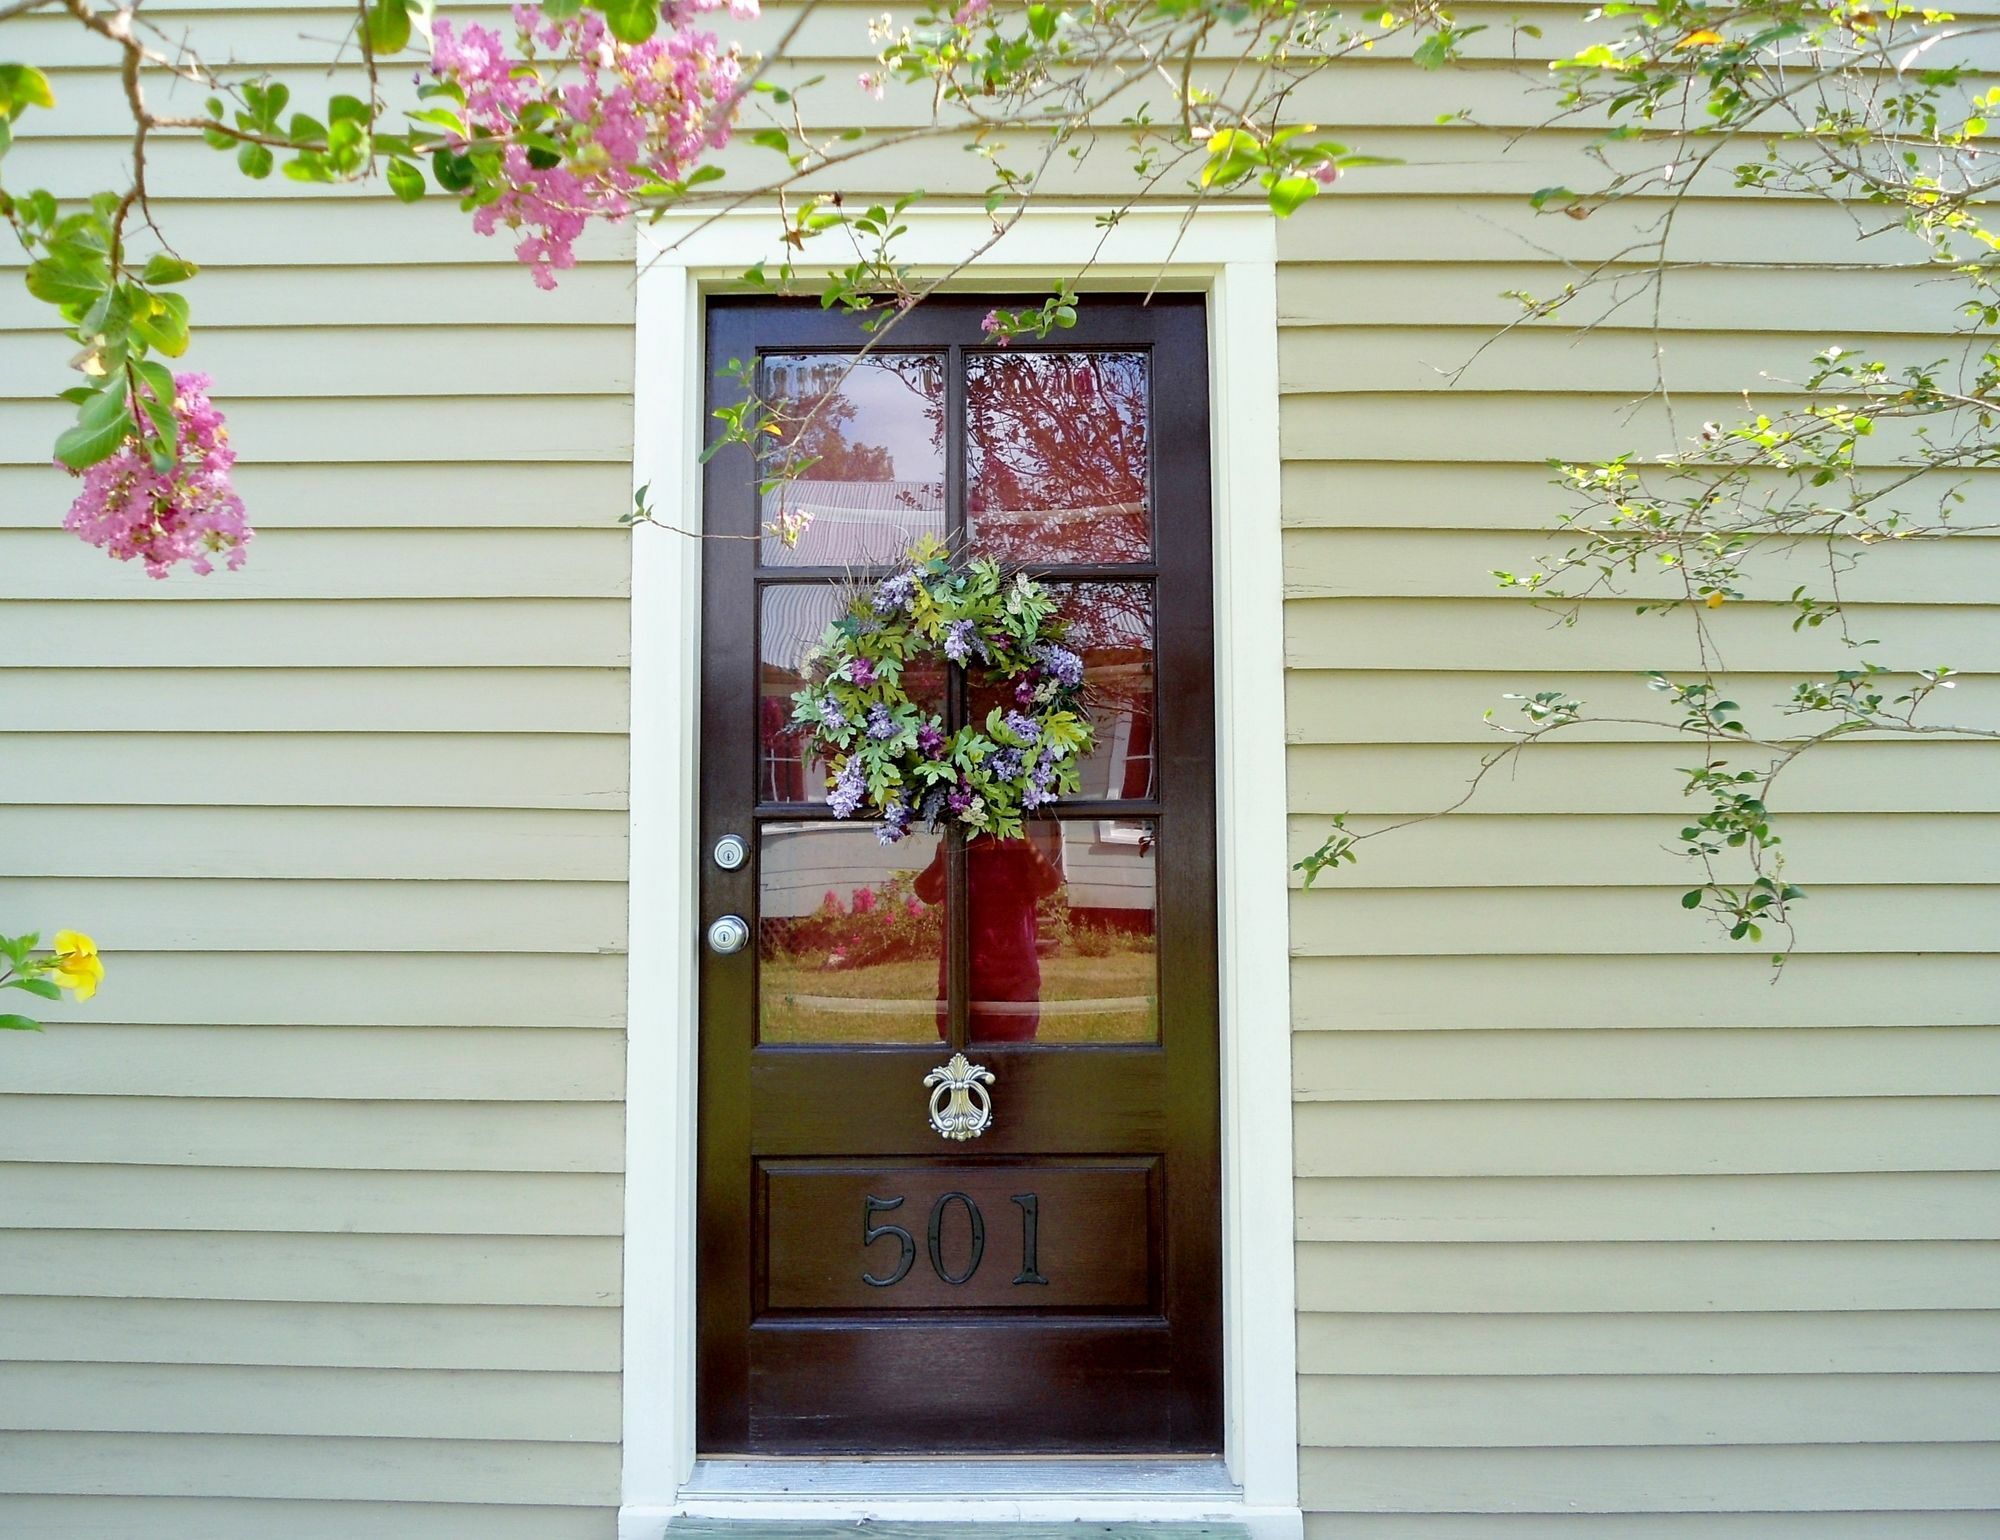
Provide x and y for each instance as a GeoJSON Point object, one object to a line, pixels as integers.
{"type": "Point", "coordinates": [1714, 600]}
{"type": "Point", "coordinates": [77, 966]}
{"type": "Point", "coordinates": [1699, 38]}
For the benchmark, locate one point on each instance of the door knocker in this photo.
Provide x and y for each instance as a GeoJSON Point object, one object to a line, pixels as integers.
{"type": "Point", "coordinates": [960, 1107]}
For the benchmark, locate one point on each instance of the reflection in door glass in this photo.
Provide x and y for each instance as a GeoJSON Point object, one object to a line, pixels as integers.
{"type": "Point", "coordinates": [858, 464]}
{"type": "Point", "coordinates": [1111, 628]}
{"type": "Point", "coordinates": [1062, 926]}
{"type": "Point", "coordinates": [794, 616]}
{"type": "Point", "coordinates": [850, 935]}
{"type": "Point", "coordinates": [1056, 456]}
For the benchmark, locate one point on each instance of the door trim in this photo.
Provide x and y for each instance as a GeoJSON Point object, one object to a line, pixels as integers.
{"type": "Point", "coordinates": [1231, 256]}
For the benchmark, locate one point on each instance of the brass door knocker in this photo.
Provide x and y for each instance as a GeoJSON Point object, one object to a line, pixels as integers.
{"type": "Point", "coordinates": [960, 1107]}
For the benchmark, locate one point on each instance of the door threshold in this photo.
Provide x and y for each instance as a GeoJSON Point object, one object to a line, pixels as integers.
{"type": "Point", "coordinates": [897, 1498]}
{"type": "Point", "coordinates": [960, 1477]}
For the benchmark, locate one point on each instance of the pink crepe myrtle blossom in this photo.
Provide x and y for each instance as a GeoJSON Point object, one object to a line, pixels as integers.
{"type": "Point", "coordinates": [874, 82]}
{"type": "Point", "coordinates": [1326, 173]}
{"type": "Point", "coordinates": [971, 11]}
{"type": "Point", "coordinates": [190, 513]}
{"type": "Point", "coordinates": [633, 116]}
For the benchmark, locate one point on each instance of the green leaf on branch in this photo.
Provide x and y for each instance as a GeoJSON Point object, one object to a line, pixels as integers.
{"type": "Point", "coordinates": [40, 987]}
{"type": "Point", "coordinates": [1289, 192]}
{"type": "Point", "coordinates": [71, 278]}
{"type": "Point", "coordinates": [162, 319]}
{"type": "Point", "coordinates": [104, 423]}
{"type": "Point", "coordinates": [405, 181]}
{"type": "Point", "coordinates": [255, 161]}
{"type": "Point", "coordinates": [163, 269]}
{"type": "Point", "coordinates": [388, 26]}
{"type": "Point", "coordinates": [631, 21]}
{"type": "Point", "coordinates": [22, 85]}
{"type": "Point", "coordinates": [19, 1024]}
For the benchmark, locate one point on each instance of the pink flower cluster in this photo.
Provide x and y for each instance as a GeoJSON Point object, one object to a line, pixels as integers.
{"type": "Point", "coordinates": [627, 115]}
{"type": "Point", "coordinates": [189, 514]}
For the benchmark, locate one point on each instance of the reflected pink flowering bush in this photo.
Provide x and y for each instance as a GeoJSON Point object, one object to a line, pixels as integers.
{"type": "Point", "coordinates": [188, 513]}
{"type": "Point", "coordinates": [594, 122]}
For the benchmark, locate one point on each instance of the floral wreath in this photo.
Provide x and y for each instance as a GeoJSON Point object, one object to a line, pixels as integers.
{"type": "Point", "coordinates": [890, 759]}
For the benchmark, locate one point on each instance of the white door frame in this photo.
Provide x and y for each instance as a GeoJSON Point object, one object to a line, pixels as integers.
{"type": "Point", "coordinates": [1230, 255]}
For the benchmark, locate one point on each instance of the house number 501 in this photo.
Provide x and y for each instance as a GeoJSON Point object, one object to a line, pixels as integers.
{"type": "Point", "coordinates": [906, 1243]}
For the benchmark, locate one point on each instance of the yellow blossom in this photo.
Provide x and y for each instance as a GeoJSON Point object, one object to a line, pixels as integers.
{"type": "Point", "coordinates": [1699, 38]}
{"type": "Point", "coordinates": [1714, 600]}
{"type": "Point", "coordinates": [77, 966]}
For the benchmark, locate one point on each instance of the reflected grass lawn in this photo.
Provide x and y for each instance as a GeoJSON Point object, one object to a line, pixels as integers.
{"type": "Point", "coordinates": [1110, 1000]}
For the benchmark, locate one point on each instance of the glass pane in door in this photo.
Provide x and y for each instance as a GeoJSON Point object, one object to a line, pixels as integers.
{"type": "Point", "coordinates": [856, 469]}
{"type": "Point", "coordinates": [850, 935]}
{"type": "Point", "coordinates": [1062, 925]}
{"type": "Point", "coordinates": [792, 619]}
{"type": "Point", "coordinates": [1111, 629]}
{"type": "Point", "coordinates": [1057, 457]}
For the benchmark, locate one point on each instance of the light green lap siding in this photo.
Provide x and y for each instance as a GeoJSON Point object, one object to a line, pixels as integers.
{"type": "Point", "coordinates": [312, 1220]}
{"type": "Point", "coordinates": [1601, 1234]}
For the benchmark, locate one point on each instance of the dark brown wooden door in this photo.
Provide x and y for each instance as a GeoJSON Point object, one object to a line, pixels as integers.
{"type": "Point", "coordinates": [1053, 1286]}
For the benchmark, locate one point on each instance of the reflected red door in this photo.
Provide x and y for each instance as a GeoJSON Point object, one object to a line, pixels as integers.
{"type": "Point", "coordinates": [1055, 1284]}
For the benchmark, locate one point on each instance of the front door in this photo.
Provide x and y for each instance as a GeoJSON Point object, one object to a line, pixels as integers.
{"type": "Point", "coordinates": [1054, 1284]}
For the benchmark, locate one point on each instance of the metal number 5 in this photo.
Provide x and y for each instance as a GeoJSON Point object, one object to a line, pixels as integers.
{"type": "Point", "coordinates": [871, 1232]}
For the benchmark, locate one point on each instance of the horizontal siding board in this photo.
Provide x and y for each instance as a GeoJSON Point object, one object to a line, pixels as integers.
{"type": "Point", "coordinates": [341, 1403]}
{"type": "Point", "coordinates": [296, 989]}
{"type": "Point", "coordinates": [238, 1518]}
{"type": "Point", "coordinates": [48, 1195]}
{"type": "Point", "coordinates": [1596, 1277]}
{"type": "Point", "coordinates": [1618, 1342]}
{"type": "Point", "coordinates": [1872, 1206]}
{"type": "Point", "coordinates": [378, 1063]}
{"type": "Point", "coordinates": [1744, 1479]}
{"type": "Point", "coordinates": [577, 1339]}
{"type": "Point", "coordinates": [1561, 850]}
{"type": "Point", "coordinates": [1434, 564]}
{"type": "Point", "coordinates": [1669, 1063]}
{"type": "Point", "coordinates": [412, 700]}
{"type": "Point", "coordinates": [275, 1465]}
{"type": "Point", "coordinates": [315, 564]}
{"type": "Point", "coordinates": [306, 771]}
{"type": "Point", "coordinates": [412, 361]}
{"type": "Point", "coordinates": [351, 496]}
{"type": "Point", "coordinates": [1898, 777]}
{"type": "Point", "coordinates": [164, 914]}
{"type": "Point", "coordinates": [1624, 921]}
{"type": "Point", "coordinates": [332, 1269]}
{"type": "Point", "coordinates": [1607, 1411]}
{"type": "Point", "coordinates": [1335, 705]}
{"type": "Point", "coordinates": [1510, 633]}
{"type": "Point", "coordinates": [1645, 1138]}
{"type": "Point", "coordinates": [387, 633]}
{"type": "Point", "coordinates": [1805, 1524]}
{"type": "Point", "coordinates": [1521, 992]}
{"type": "Point", "coordinates": [547, 429]}
{"type": "Point", "coordinates": [430, 844]}
{"type": "Point", "coordinates": [1504, 494]}
{"type": "Point", "coordinates": [320, 1135]}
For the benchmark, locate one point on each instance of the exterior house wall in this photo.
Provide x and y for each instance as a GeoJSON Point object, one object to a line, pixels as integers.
{"type": "Point", "coordinates": [312, 1219]}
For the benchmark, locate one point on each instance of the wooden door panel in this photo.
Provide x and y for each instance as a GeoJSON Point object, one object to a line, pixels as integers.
{"type": "Point", "coordinates": [1052, 1286]}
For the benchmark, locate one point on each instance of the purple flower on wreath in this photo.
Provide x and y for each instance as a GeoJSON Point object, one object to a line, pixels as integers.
{"type": "Point", "coordinates": [961, 798]}
{"type": "Point", "coordinates": [930, 741]}
{"type": "Point", "coordinates": [1023, 726]}
{"type": "Point", "coordinates": [1040, 789]}
{"type": "Point", "coordinates": [861, 671]}
{"type": "Point", "coordinates": [1024, 691]}
{"type": "Point", "coordinates": [931, 806]}
{"type": "Point", "coordinates": [895, 823]}
{"type": "Point", "coordinates": [848, 788]}
{"type": "Point", "coordinates": [880, 723]}
{"type": "Point", "coordinates": [895, 592]}
{"type": "Point", "coordinates": [1006, 765]}
{"type": "Point", "coordinates": [1065, 665]}
{"type": "Point", "coordinates": [960, 637]}
{"type": "Point", "coordinates": [830, 714]}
